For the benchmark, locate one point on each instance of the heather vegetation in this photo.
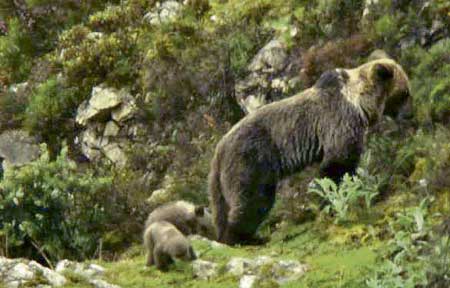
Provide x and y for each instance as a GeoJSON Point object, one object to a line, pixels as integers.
{"type": "Point", "coordinates": [387, 226]}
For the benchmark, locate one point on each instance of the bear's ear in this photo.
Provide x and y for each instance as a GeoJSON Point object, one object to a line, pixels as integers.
{"type": "Point", "coordinates": [383, 72]}
{"type": "Point", "coordinates": [199, 211]}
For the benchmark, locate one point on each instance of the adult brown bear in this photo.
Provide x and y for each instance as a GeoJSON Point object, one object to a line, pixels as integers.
{"type": "Point", "coordinates": [325, 123]}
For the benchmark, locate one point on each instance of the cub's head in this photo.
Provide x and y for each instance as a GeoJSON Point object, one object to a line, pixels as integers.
{"type": "Point", "coordinates": [183, 251]}
{"type": "Point", "coordinates": [379, 87]}
{"type": "Point", "coordinates": [204, 223]}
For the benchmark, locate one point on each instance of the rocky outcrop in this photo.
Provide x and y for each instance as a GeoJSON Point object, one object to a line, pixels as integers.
{"type": "Point", "coordinates": [19, 272]}
{"type": "Point", "coordinates": [268, 77]}
{"type": "Point", "coordinates": [17, 148]}
{"type": "Point", "coordinates": [205, 269]}
{"type": "Point", "coordinates": [101, 104]}
{"type": "Point", "coordinates": [252, 271]}
{"type": "Point", "coordinates": [164, 12]}
{"type": "Point", "coordinates": [265, 268]}
{"type": "Point", "coordinates": [24, 273]}
{"type": "Point", "coordinates": [108, 130]}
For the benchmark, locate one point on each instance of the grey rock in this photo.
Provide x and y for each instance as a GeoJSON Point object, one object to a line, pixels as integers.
{"type": "Point", "coordinates": [211, 243]}
{"type": "Point", "coordinates": [94, 35]}
{"type": "Point", "coordinates": [115, 154]}
{"type": "Point", "coordinates": [288, 270]}
{"type": "Point", "coordinates": [18, 272]}
{"type": "Point", "coordinates": [83, 269]}
{"type": "Point", "coordinates": [111, 129]}
{"type": "Point", "coordinates": [103, 100]}
{"type": "Point", "coordinates": [18, 88]}
{"type": "Point", "coordinates": [239, 266]}
{"type": "Point", "coordinates": [271, 58]}
{"type": "Point", "coordinates": [263, 261]}
{"type": "Point", "coordinates": [52, 277]}
{"type": "Point", "coordinates": [265, 79]}
{"type": "Point", "coordinates": [370, 7]}
{"type": "Point", "coordinates": [97, 283]}
{"type": "Point", "coordinates": [166, 12]}
{"type": "Point", "coordinates": [18, 148]}
{"type": "Point", "coordinates": [125, 111]}
{"type": "Point", "coordinates": [92, 143]}
{"type": "Point", "coordinates": [162, 195]}
{"type": "Point", "coordinates": [158, 197]}
{"type": "Point", "coordinates": [248, 281]}
{"type": "Point", "coordinates": [205, 269]}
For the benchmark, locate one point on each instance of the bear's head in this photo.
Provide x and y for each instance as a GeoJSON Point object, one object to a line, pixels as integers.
{"type": "Point", "coordinates": [204, 223]}
{"type": "Point", "coordinates": [183, 251]}
{"type": "Point", "coordinates": [379, 87]}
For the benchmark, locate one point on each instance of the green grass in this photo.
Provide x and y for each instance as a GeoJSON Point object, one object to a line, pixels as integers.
{"type": "Point", "coordinates": [330, 264]}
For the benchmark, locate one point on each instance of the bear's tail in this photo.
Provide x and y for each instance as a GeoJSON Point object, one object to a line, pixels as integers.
{"type": "Point", "coordinates": [218, 204]}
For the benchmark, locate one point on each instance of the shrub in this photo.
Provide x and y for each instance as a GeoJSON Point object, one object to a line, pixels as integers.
{"type": "Point", "coordinates": [108, 58]}
{"type": "Point", "coordinates": [428, 155]}
{"type": "Point", "coordinates": [54, 208]}
{"type": "Point", "coordinates": [12, 108]}
{"type": "Point", "coordinates": [438, 272]}
{"type": "Point", "coordinates": [407, 252]}
{"type": "Point", "coordinates": [48, 114]}
{"type": "Point", "coordinates": [343, 53]}
{"type": "Point", "coordinates": [345, 197]}
{"type": "Point", "coordinates": [431, 84]}
{"type": "Point", "coordinates": [109, 20]}
{"type": "Point", "coordinates": [16, 50]}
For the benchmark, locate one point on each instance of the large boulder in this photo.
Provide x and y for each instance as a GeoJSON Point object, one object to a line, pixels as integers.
{"type": "Point", "coordinates": [249, 281]}
{"type": "Point", "coordinates": [17, 148]}
{"type": "Point", "coordinates": [267, 79]}
{"type": "Point", "coordinates": [20, 272]}
{"type": "Point", "coordinates": [164, 12]}
{"type": "Point", "coordinates": [102, 103]}
{"type": "Point", "coordinates": [205, 269]}
{"type": "Point", "coordinates": [107, 119]}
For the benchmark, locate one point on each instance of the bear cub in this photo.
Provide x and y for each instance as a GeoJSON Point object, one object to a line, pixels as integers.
{"type": "Point", "coordinates": [187, 217]}
{"type": "Point", "coordinates": [165, 244]}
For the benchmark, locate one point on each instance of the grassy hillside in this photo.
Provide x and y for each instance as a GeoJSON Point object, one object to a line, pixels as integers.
{"type": "Point", "coordinates": [185, 74]}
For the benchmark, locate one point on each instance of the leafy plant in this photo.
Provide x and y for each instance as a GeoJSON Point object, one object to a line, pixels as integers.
{"type": "Point", "coordinates": [347, 196]}
{"type": "Point", "coordinates": [16, 50]}
{"type": "Point", "coordinates": [50, 209]}
{"type": "Point", "coordinates": [431, 84]}
{"type": "Point", "coordinates": [438, 271]}
{"type": "Point", "coordinates": [408, 251]}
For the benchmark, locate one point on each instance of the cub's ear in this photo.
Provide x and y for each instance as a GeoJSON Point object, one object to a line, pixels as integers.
{"type": "Point", "coordinates": [199, 211]}
{"type": "Point", "coordinates": [383, 72]}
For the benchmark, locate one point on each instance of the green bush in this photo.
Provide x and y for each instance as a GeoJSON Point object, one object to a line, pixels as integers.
{"type": "Point", "coordinates": [431, 84]}
{"type": "Point", "coordinates": [411, 251]}
{"type": "Point", "coordinates": [48, 113]}
{"type": "Point", "coordinates": [91, 61]}
{"type": "Point", "coordinates": [54, 208]}
{"type": "Point", "coordinates": [438, 272]}
{"type": "Point", "coordinates": [340, 200]}
{"type": "Point", "coordinates": [110, 19]}
{"type": "Point", "coordinates": [16, 50]}
{"type": "Point", "coordinates": [428, 156]}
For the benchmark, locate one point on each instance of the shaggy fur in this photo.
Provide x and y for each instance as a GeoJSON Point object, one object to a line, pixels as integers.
{"type": "Point", "coordinates": [165, 243]}
{"type": "Point", "coordinates": [187, 217]}
{"type": "Point", "coordinates": [325, 123]}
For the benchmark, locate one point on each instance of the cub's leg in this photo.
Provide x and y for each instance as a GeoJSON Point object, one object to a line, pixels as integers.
{"type": "Point", "coordinates": [148, 244]}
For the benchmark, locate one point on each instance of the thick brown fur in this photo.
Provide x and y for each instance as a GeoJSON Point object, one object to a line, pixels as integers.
{"type": "Point", "coordinates": [326, 123]}
{"type": "Point", "coordinates": [187, 217]}
{"type": "Point", "coordinates": [164, 244]}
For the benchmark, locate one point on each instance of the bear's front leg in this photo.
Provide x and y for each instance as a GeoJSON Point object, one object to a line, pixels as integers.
{"type": "Point", "coordinates": [340, 161]}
